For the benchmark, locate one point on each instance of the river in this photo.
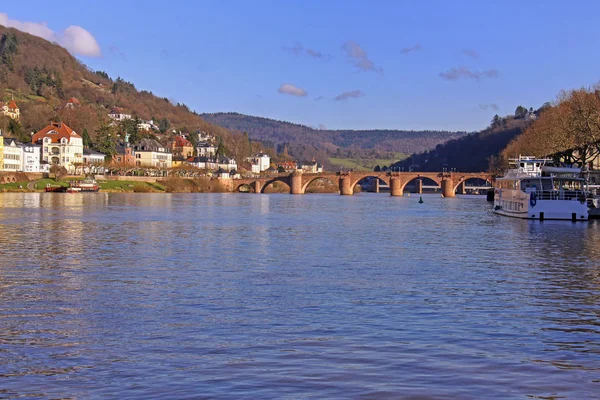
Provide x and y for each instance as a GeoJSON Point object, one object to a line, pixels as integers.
{"type": "Point", "coordinates": [144, 296]}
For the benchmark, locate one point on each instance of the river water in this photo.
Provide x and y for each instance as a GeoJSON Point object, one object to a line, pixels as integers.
{"type": "Point", "coordinates": [279, 296]}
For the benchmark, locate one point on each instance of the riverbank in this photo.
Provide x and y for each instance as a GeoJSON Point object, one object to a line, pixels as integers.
{"type": "Point", "coordinates": [119, 184]}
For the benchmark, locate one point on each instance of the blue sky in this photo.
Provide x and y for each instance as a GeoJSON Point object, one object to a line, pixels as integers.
{"type": "Point", "coordinates": [390, 64]}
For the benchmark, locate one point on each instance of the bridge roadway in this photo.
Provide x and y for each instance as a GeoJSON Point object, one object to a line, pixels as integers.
{"type": "Point", "coordinates": [298, 182]}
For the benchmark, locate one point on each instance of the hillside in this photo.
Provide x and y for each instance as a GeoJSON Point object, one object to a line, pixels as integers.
{"type": "Point", "coordinates": [472, 153]}
{"type": "Point", "coordinates": [41, 76]}
{"type": "Point", "coordinates": [302, 141]}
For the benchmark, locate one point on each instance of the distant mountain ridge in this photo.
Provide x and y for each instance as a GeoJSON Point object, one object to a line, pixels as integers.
{"type": "Point", "coordinates": [332, 142]}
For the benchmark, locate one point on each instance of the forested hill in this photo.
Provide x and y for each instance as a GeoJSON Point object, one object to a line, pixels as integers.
{"type": "Point", "coordinates": [472, 153]}
{"type": "Point", "coordinates": [334, 142]}
{"type": "Point", "coordinates": [42, 76]}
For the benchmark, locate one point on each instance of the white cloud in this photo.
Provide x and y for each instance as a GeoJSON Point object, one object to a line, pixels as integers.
{"type": "Point", "coordinates": [75, 39]}
{"type": "Point", "coordinates": [357, 56]}
{"type": "Point", "coordinates": [349, 95]}
{"type": "Point", "coordinates": [287, 88]}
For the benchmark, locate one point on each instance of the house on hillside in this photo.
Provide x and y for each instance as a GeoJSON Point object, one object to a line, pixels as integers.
{"type": "Point", "coordinates": [310, 166]}
{"type": "Point", "coordinates": [13, 153]}
{"type": "Point", "coordinates": [226, 163]}
{"type": "Point", "coordinates": [31, 157]}
{"type": "Point", "coordinates": [287, 166]}
{"type": "Point", "coordinates": [146, 126]}
{"type": "Point", "coordinates": [260, 162]}
{"type": "Point", "coordinates": [181, 147]}
{"type": "Point", "coordinates": [150, 153]}
{"type": "Point", "coordinates": [222, 174]}
{"type": "Point", "coordinates": [10, 109]}
{"type": "Point", "coordinates": [73, 102]}
{"type": "Point", "coordinates": [124, 155]}
{"type": "Point", "coordinates": [92, 157]}
{"type": "Point", "coordinates": [206, 149]}
{"type": "Point", "coordinates": [117, 114]}
{"type": "Point", "coordinates": [61, 145]}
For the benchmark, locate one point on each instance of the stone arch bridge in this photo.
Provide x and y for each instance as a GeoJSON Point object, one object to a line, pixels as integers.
{"type": "Point", "coordinates": [397, 181]}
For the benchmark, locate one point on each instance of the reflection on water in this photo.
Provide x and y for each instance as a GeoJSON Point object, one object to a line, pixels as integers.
{"type": "Point", "coordinates": [278, 296]}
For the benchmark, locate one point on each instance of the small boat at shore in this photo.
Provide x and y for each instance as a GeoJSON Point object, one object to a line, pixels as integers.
{"type": "Point", "coordinates": [86, 185]}
{"type": "Point", "coordinates": [536, 190]}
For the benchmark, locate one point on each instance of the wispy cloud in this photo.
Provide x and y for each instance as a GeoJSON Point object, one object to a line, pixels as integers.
{"type": "Point", "coordinates": [298, 50]}
{"type": "Point", "coordinates": [358, 57]}
{"type": "Point", "coordinates": [319, 98]}
{"type": "Point", "coordinates": [454, 74]}
{"type": "Point", "coordinates": [470, 53]}
{"type": "Point", "coordinates": [411, 49]}
{"type": "Point", "coordinates": [493, 107]}
{"type": "Point", "coordinates": [349, 95]}
{"type": "Point", "coordinates": [115, 50]}
{"type": "Point", "coordinates": [287, 88]}
{"type": "Point", "coordinates": [75, 39]}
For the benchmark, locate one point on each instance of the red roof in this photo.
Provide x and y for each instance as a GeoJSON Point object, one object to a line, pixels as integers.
{"type": "Point", "coordinates": [180, 141]}
{"type": "Point", "coordinates": [73, 100]}
{"type": "Point", "coordinates": [55, 131]}
{"type": "Point", "coordinates": [13, 105]}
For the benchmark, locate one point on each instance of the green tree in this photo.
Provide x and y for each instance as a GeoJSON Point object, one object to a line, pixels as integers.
{"type": "Point", "coordinates": [163, 125]}
{"type": "Point", "coordinates": [221, 148]}
{"type": "Point", "coordinates": [9, 46]}
{"type": "Point", "coordinates": [87, 141]}
{"type": "Point", "coordinates": [130, 128]}
{"type": "Point", "coordinates": [193, 138]}
{"type": "Point", "coordinates": [520, 112]}
{"type": "Point", "coordinates": [17, 131]}
{"type": "Point", "coordinates": [496, 121]}
{"type": "Point", "coordinates": [105, 142]}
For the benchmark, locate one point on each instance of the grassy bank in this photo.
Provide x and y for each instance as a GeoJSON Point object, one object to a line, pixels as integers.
{"type": "Point", "coordinates": [105, 186]}
{"type": "Point", "coordinates": [365, 164]}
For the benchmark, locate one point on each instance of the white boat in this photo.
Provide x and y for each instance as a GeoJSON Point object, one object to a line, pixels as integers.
{"type": "Point", "coordinates": [535, 190]}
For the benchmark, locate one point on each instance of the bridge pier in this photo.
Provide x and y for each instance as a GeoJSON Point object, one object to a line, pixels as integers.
{"type": "Point", "coordinates": [462, 188]}
{"type": "Point", "coordinates": [448, 188]}
{"type": "Point", "coordinates": [296, 184]}
{"type": "Point", "coordinates": [419, 186]}
{"type": "Point", "coordinates": [375, 185]}
{"type": "Point", "coordinates": [395, 186]}
{"type": "Point", "coordinates": [257, 187]}
{"type": "Point", "coordinates": [346, 188]}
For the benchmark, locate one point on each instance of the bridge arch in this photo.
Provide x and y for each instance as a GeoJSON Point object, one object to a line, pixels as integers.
{"type": "Point", "coordinates": [424, 180]}
{"type": "Point", "coordinates": [248, 185]}
{"type": "Point", "coordinates": [273, 181]}
{"type": "Point", "coordinates": [308, 181]}
{"type": "Point", "coordinates": [381, 176]}
{"type": "Point", "coordinates": [435, 178]}
{"type": "Point", "coordinates": [465, 178]}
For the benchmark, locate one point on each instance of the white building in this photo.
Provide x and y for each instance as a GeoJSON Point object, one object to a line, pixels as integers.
{"type": "Point", "coordinates": [227, 163]}
{"type": "Point", "coordinates": [61, 145]}
{"type": "Point", "coordinates": [13, 153]}
{"type": "Point", "coordinates": [30, 161]}
{"type": "Point", "coordinates": [118, 115]}
{"type": "Point", "coordinates": [261, 162]}
{"type": "Point", "coordinates": [206, 149]}
{"type": "Point", "coordinates": [150, 153]}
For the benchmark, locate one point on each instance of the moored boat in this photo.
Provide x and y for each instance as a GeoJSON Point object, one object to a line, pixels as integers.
{"type": "Point", "coordinates": [87, 185]}
{"type": "Point", "coordinates": [537, 190]}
